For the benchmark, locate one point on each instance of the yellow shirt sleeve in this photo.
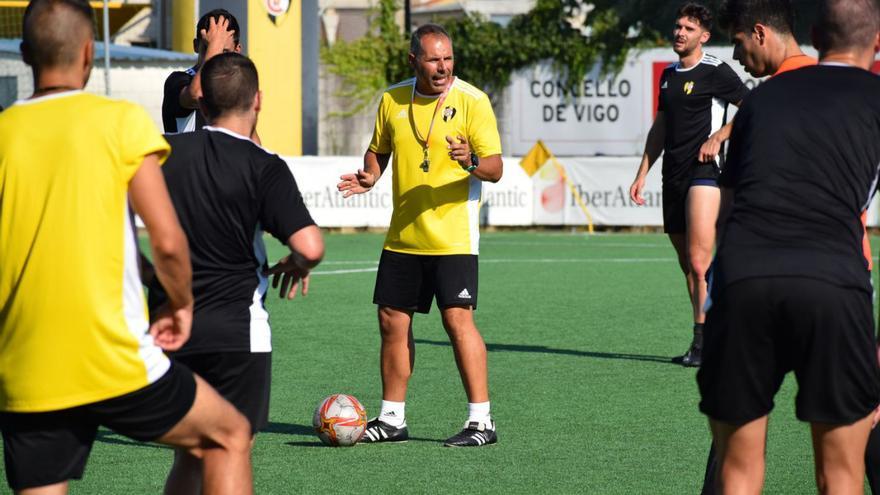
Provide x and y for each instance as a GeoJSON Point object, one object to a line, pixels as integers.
{"type": "Point", "coordinates": [138, 138]}
{"type": "Point", "coordinates": [482, 129]}
{"type": "Point", "coordinates": [381, 142]}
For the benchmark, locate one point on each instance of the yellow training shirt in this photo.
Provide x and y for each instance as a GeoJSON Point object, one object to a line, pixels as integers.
{"type": "Point", "coordinates": [435, 212]}
{"type": "Point", "coordinates": [73, 320]}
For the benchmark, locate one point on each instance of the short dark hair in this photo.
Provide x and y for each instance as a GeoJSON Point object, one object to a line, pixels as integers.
{"type": "Point", "coordinates": [693, 10]}
{"type": "Point", "coordinates": [229, 84]}
{"type": "Point", "coordinates": [216, 14]}
{"type": "Point", "coordinates": [415, 42]}
{"type": "Point", "coordinates": [846, 24]}
{"type": "Point", "coordinates": [50, 28]}
{"type": "Point", "coordinates": [740, 16]}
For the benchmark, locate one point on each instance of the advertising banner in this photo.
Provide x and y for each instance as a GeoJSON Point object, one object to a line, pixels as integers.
{"type": "Point", "coordinates": [547, 198]}
{"type": "Point", "coordinates": [603, 114]}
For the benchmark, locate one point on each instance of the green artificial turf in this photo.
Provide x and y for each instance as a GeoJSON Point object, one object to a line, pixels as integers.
{"type": "Point", "coordinates": [579, 330]}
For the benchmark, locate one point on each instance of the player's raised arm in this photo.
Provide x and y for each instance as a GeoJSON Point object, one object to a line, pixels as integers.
{"type": "Point", "coordinates": [217, 38]}
{"type": "Point", "coordinates": [151, 202]}
{"type": "Point", "coordinates": [653, 149]}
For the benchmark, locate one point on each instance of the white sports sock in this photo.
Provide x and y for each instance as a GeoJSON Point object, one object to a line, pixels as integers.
{"type": "Point", "coordinates": [393, 413]}
{"type": "Point", "coordinates": [479, 412]}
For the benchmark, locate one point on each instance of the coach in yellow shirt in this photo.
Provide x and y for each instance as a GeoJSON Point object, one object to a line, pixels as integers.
{"type": "Point", "coordinates": [442, 135]}
{"type": "Point", "coordinates": [76, 348]}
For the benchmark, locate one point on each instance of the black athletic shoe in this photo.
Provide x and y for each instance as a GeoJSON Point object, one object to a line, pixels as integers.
{"type": "Point", "coordinates": [474, 434]}
{"type": "Point", "coordinates": [379, 431]}
{"type": "Point", "coordinates": [693, 358]}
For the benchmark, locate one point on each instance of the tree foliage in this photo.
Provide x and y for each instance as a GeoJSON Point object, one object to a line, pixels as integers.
{"type": "Point", "coordinates": [486, 53]}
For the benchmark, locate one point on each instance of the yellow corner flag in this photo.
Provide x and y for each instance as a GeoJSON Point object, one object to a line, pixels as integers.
{"type": "Point", "coordinates": [535, 158]}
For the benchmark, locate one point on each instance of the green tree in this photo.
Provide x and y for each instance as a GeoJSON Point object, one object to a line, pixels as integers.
{"type": "Point", "coordinates": [486, 53]}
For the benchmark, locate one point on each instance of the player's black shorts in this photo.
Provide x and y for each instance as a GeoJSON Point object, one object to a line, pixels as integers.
{"type": "Point", "coordinates": [47, 448]}
{"type": "Point", "coordinates": [759, 329]}
{"type": "Point", "coordinates": [705, 174]}
{"type": "Point", "coordinates": [242, 378]}
{"type": "Point", "coordinates": [411, 281]}
{"type": "Point", "coordinates": [675, 206]}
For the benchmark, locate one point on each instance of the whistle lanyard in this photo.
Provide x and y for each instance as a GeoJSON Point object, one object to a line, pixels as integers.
{"type": "Point", "coordinates": [426, 162]}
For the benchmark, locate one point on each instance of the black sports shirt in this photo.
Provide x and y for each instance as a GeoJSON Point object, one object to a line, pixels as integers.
{"type": "Point", "coordinates": [227, 191]}
{"type": "Point", "coordinates": [694, 102]}
{"type": "Point", "coordinates": [803, 165]}
{"type": "Point", "coordinates": [175, 118]}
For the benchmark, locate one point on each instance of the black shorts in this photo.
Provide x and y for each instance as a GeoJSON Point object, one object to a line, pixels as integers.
{"type": "Point", "coordinates": [759, 329]}
{"type": "Point", "coordinates": [675, 206]}
{"type": "Point", "coordinates": [705, 174]}
{"type": "Point", "coordinates": [51, 447]}
{"type": "Point", "coordinates": [242, 378]}
{"type": "Point", "coordinates": [411, 281]}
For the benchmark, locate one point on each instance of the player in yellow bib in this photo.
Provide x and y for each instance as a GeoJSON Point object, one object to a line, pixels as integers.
{"type": "Point", "coordinates": [442, 134]}
{"type": "Point", "coordinates": [76, 348]}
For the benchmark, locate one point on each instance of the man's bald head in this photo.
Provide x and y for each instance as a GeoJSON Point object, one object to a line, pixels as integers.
{"type": "Point", "coordinates": [54, 32]}
{"type": "Point", "coordinates": [844, 25]}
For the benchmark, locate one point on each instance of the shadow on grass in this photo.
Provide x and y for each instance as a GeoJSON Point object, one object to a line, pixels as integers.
{"type": "Point", "coordinates": [303, 430]}
{"type": "Point", "coordinates": [540, 349]}
{"type": "Point", "coordinates": [288, 429]}
{"type": "Point", "coordinates": [317, 443]}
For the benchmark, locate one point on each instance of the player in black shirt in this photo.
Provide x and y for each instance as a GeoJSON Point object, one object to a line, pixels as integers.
{"type": "Point", "coordinates": [227, 190]}
{"type": "Point", "coordinates": [216, 32]}
{"type": "Point", "coordinates": [688, 129]}
{"type": "Point", "coordinates": [791, 282]}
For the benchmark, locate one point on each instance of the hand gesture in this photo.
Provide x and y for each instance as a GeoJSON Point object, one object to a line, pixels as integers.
{"type": "Point", "coordinates": [218, 36]}
{"type": "Point", "coordinates": [459, 151]}
{"type": "Point", "coordinates": [171, 328]}
{"type": "Point", "coordinates": [289, 275]}
{"type": "Point", "coordinates": [356, 183]}
{"type": "Point", "coordinates": [635, 190]}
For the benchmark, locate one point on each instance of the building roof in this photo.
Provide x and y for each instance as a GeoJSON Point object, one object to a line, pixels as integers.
{"type": "Point", "coordinates": [117, 52]}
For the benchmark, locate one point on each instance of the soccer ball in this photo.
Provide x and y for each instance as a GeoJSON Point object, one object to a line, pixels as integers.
{"type": "Point", "coordinates": [340, 420]}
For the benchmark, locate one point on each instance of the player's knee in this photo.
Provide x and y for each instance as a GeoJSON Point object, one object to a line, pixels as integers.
{"type": "Point", "coordinates": [239, 438]}
{"type": "Point", "coordinates": [461, 330]}
{"type": "Point", "coordinates": [393, 323]}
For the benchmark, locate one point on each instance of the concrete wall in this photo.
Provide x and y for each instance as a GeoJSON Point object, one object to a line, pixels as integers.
{"type": "Point", "coordinates": [140, 82]}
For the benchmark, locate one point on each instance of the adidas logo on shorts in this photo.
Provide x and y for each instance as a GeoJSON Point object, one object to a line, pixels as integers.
{"type": "Point", "coordinates": [464, 294]}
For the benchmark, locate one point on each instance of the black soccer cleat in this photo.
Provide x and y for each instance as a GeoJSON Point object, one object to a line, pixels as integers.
{"type": "Point", "coordinates": [379, 431]}
{"type": "Point", "coordinates": [693, 358]}
{"type": "Point", "coordinates": [474, 434]}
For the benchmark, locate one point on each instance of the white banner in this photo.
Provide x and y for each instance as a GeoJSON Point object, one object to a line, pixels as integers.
{"type": "Point", "coordinates": [603, 187]}
{"type": "Point", "coordinates": [317, 177]}
{"type": "Point", "coordinates": [600, 115]}
{"type": "Point", "coordinates": [508, 202]}
{"type": "Point", "coordinates": [516, 200]}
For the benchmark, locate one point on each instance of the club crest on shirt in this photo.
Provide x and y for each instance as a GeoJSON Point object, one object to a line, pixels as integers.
{"type": "Point", "coordinates": [448, 113]}
{"type": "Point", "coordinates": [688, 87]}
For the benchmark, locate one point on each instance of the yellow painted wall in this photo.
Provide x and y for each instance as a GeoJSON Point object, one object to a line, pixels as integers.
{"type": "Point", "coordinates": [183, 25]}
{"type": "Point", "coordinates": [277, 52]}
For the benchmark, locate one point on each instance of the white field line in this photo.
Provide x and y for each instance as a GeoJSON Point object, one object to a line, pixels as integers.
{"type": "Point", "coordinates": [495, 261]}
{"type": "Point", "coordinates": [374, 268]}
{"type": "Point", "coordinates": [343, 272]}
{"type": "Point", "coordinates": [568, 244]}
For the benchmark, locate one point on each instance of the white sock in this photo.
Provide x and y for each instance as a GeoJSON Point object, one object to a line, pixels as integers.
{"type": "Point", "coordinates": [479, 412]}
{"type": "Point", "coordinates": [393, 413]}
